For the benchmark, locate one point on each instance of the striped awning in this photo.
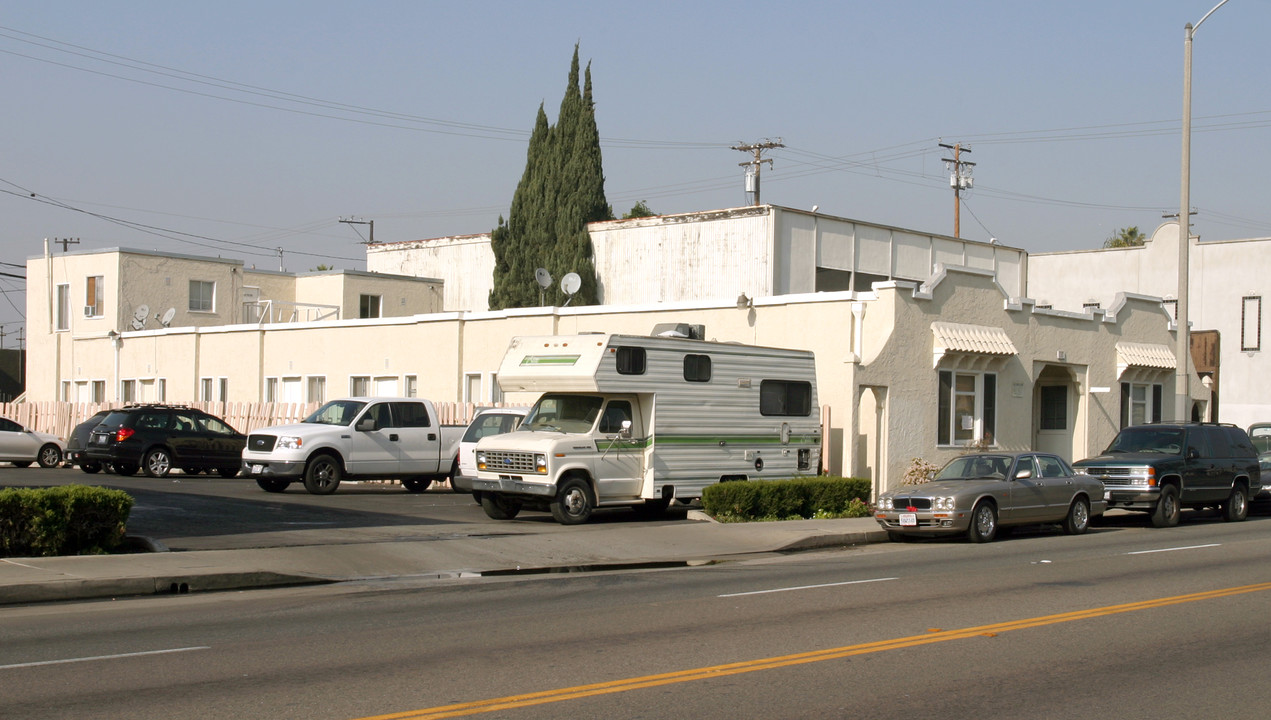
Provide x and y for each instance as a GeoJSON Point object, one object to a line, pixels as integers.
{"type": "Point", "coordinates": [970, 340]}
{"type": "Point", "coordinates": [1145, 355]}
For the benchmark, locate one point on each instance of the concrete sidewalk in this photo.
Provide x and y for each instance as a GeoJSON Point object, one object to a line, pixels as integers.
{"type": "Point", "coordinates": [414, 552]}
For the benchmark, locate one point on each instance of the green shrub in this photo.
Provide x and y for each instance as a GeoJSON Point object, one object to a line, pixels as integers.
{"type": "Point", "coordinates": [799, 498]}
{"type": "Point", "coordinates": [69, 520]}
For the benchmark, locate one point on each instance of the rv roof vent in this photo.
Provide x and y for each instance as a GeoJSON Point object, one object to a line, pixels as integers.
{"type": "Point", "coordinates": [681, 330]}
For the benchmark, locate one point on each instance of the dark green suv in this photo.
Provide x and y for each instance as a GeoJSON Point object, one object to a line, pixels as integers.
{"type": "Point", "coordinates": [1163, 468]}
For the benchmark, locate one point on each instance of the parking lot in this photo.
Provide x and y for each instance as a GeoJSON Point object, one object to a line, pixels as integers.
{"type": "Point", "coordinates": [206, 512]}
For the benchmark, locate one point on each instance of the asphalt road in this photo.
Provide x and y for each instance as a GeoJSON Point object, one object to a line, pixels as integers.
{"type": "Point", "coordinates": [1125, 622]}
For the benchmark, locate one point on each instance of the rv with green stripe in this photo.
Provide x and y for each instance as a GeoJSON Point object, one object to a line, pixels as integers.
{"type": "Point", "coordinates": [640, 421]}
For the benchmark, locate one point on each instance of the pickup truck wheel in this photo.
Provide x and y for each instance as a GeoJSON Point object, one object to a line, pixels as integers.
{"type": "Point", "coordinates": [983, 523]}
{"type": "Point", "coordinates": [1237, 506]}
{"type": "Point", "coordinates": [1078, 519]}
{"type": "Point", "coordinates": [50, 456]}
{"type": "Point", "coordinates": [1167, 510]}
{"type": "Point", "coordinates": [573, 502]}
{"type": "Point", "coordinates": [157, 462]}
{"type": "Point", "coordinates": [271, 485]}
{"type": "Point", "coordinates": [499, 507]}
{"type": "Point", "coordinates": [322, 476]}
{"type": "Point", "coordinates": [416, 485]}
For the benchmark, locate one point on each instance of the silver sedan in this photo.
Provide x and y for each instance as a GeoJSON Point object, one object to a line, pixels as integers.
{"type": "Point", "coordinates": [976, 494]}
{"type": "Point", "coordinates": [22, 446]}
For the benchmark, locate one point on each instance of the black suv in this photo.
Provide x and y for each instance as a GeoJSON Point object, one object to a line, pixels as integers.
{"type": "Point", "coordinates": [78, 441]}
{"type": "Point", "coordinates": [157, 438]}
{"type": "Point", "coordinates": [1164, 468]}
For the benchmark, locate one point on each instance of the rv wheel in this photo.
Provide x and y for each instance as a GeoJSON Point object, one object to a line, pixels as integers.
{"type": "Point", "coordinates": [573, 503]}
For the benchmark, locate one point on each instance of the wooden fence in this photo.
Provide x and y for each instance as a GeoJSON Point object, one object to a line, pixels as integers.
{"type": "Point", "coordinates": [59, 418]}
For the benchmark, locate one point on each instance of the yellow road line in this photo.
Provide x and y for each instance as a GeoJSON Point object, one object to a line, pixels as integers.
{"type": "Point", "coordinates": [747, 666]}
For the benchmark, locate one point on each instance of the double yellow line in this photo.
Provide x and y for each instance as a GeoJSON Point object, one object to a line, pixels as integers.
{"type": "Point", "coordinates": [933, 636]}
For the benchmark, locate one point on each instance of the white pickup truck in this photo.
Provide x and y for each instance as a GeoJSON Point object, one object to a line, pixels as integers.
{"type": "Point", "coordinates": [360, 438]}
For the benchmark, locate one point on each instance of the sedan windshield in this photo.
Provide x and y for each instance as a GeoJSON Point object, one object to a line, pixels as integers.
{"type": "Point", "coordinates": [1148, 440]}
{"type": "Point", "coordinates": [336, 412]}
{"type": "Point", "coordinates": [972, 467]}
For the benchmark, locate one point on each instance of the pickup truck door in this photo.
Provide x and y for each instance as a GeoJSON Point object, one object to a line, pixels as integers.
{"type": "Point", "coordinates": [419, 439]}
{"type": "Point", "coordinates": [620, 458]}
{"type": "Point", "coordinates": [374, 452]}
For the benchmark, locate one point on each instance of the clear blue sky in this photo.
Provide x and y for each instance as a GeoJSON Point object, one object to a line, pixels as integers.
{"type": "Point", "coordinates": [233, 128]}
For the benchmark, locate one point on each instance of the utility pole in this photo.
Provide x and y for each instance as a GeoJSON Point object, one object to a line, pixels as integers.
{"type": "Point", "coordinates": [65, 242]}
{"type": "Point", "coordinates": [959, 180]}
{"type": "Point", "coordinates": [753, 166]}
{"type": "Point", "coordinates": [371, 223]}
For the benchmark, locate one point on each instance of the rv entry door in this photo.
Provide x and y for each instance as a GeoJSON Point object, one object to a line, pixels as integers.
{"type": "Point", "coordinates": [620, 443]}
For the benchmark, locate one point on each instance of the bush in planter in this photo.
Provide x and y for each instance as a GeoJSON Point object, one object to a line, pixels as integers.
{"type": "Point", "coordinates": [798, 498]}
{"type": "Point", "coordinates": [70, 520]}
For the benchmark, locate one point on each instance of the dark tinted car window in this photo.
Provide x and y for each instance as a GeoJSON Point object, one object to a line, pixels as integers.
{"type": "Point", "coordinates": [1241, 445]}
{"type": "Point", "coordinates": [1051, 466]}
{"type": "Point", "coordinates": [8, 425]}
{"type": "Point", "coordinates": [410, 414]}
{"type": "Point", "coordinates": [1197, 443]}
{"type": "Point", "coordinates": [210, 424]}
{"type": "Point", "coordinates": [152, 420]}
{"type": "Point", "coordinates": [1218, 443]}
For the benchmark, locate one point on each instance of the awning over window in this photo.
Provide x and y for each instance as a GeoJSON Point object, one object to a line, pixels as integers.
{"type": "Point", "coordinates": [981, 340]}
{"type": "Point", "coordinates": [1143, 356]}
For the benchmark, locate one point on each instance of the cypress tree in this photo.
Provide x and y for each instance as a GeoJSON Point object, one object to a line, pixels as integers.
{"type": "Point", "coordinates": [561, 190]}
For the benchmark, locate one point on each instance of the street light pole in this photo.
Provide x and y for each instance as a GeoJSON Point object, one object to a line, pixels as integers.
{"type": "Point", "coordinates": [1182, 396]}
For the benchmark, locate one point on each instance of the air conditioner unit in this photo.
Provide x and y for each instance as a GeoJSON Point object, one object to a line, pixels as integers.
{"type": "Point", "coordinates": [89, 311]}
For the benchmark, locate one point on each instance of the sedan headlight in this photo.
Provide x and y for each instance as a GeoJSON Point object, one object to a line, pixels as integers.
{"type": "Point", "coordinates": [944, 504]}
{"type": "Point", "coordinates": [885, 503]}
{"type": "Point", "coordinates": [289, 442]}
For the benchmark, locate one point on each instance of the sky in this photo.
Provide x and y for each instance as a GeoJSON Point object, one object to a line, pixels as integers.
{"type": "Point", "coordinates": [249, 130]}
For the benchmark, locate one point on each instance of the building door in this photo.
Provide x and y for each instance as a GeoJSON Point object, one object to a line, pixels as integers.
{"type": "Point", "coordinates": [1053, 414]}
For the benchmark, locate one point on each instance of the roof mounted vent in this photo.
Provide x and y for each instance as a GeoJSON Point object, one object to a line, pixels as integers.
{"type": "Point", "coordinates": [680, 330]}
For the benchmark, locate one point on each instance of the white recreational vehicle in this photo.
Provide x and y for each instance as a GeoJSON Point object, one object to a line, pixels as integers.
{"type": "Point", "coordinates": [641, 421]}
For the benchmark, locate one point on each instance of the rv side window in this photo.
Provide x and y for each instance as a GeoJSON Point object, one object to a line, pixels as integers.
{"type": "Point", "coordinates": [697, 368]}
{"type": "Point", "coordinates": [785, 397]}
{"type": "Point", "coordinates": [631, 361]}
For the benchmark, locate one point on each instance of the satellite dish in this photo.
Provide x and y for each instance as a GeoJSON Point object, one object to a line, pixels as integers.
{"type": "Point", "coordinates": [168, 314]}
{"type": "Point", "coordinates": [570, 284]}
{"type": "Point", "coordinates": [139, 317]}
{"type": "Point", "coordinates": [543, 278]}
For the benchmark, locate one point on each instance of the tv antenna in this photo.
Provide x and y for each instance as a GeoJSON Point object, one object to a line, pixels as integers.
{"type": "Point", "coordinates": [350, 221]}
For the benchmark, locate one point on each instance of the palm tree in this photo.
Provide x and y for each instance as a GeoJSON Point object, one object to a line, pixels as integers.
{"type": "Point", "coordinates": [1126, 237]}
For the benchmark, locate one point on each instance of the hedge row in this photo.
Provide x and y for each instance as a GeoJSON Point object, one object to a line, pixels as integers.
{"type": "Point", "coordinates": [812, 497]}
{"type": "Point", "coordinates": [66, 520]}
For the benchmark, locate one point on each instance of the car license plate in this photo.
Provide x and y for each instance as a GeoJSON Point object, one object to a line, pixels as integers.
{"type": "Point", "coordinates": [258, 469]}
{"type": "Point", "coordinates": [101, 439]}
{"type": "Point", "coordinates": [909, 519]}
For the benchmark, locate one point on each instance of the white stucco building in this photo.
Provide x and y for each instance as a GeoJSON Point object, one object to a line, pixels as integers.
{"type": "Point", "coordinates": [1227, 282]}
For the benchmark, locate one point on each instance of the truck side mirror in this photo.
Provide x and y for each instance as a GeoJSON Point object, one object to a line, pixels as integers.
{"type": "Point", "coordinates": [626, 429]}
{"type": "Point", "coordinates": [366, 424]}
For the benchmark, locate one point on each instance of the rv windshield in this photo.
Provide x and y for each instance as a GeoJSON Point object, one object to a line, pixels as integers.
{"type": "Point", "coordinates": [336, 412]}
{"type": "Point", "coordinates": [563, 413]}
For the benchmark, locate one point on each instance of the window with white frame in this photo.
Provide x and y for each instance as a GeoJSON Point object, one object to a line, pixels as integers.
{"type": "Point", "coordinates": [967, 408]}
{"type": "Point", "coordinates": [291, 390]}
{"type": "Point", "coordinates": [317, 388]}
{"type": "Point", "coordinates": [161, 389]}
{"type": "Point", "coordinates": [1141, 403]}
{"type": "Point", "coordinates": [385, 386]}
{"type": "Point", "coordinates": [128, 391]}
{"type": "Point", "coordinates": [63, 307]}
{"type": "Point", "coordinates": [205, 389]}
{"type": "Point", "coordinates": [496, 392]}
{"type": "Point", "coordinates": [472, 387]}
{"type": "Point", "coordinates": [99, 391]}
{"type": "Point", "coordinates": [223, 389]}
{"type": "Point", "coordinates": [66, 391]}
{"type": "Point", "coordinates": [1251, 323]}
{"type": "Point", "coordinates": [202, 296]}
{"type": "Point", "coordinates": [93, 296]}
{"type": "Point", "coordinates": [360, 385]}
{"type": "Point", "coordinates": [412, 386]}
{"type": "Point", "coordinates": [271, 389]}
{"type": "Point", "coordinates": [369, 306]}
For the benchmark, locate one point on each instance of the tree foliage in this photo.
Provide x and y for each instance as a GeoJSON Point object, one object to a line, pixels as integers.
{"type": "Point", "coordinates": [561, 190]}
{"type": "Point", "coordinates": [639, 210]}
{"type": "Point", "coordinates": [1126, 237]}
